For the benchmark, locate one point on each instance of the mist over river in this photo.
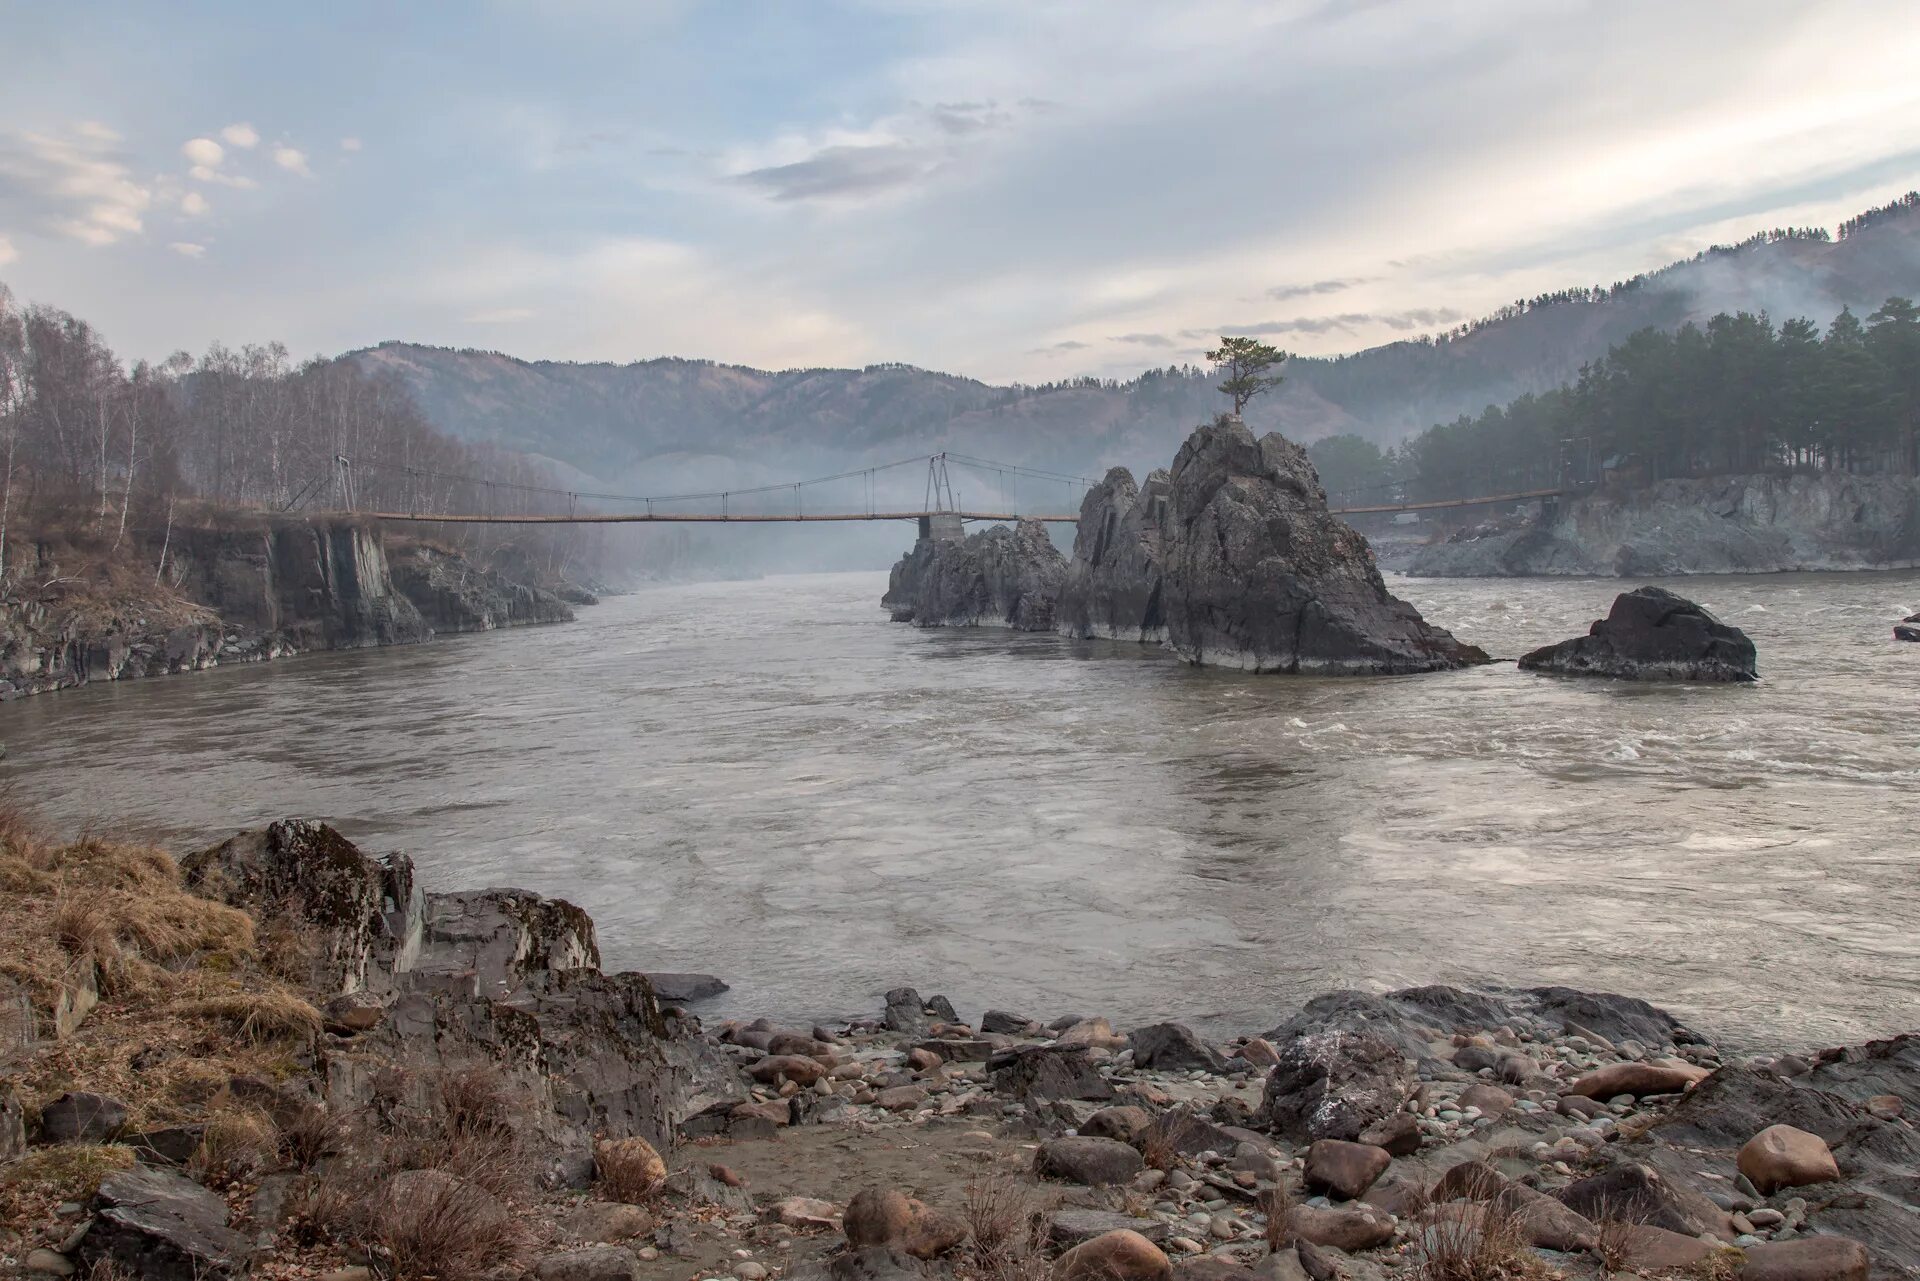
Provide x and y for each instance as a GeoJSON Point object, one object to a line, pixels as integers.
{"type": "Point", "coordinates": [769, 781]}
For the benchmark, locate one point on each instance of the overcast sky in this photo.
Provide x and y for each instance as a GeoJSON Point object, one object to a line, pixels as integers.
{"type": "Point", "coordinates": [1004, 188]}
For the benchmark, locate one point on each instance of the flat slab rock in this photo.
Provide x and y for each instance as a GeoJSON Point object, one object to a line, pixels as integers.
{"type": "Point", "coordinates": [683, 989]}
{"type": "Point", "coordinates": [158, 1224]}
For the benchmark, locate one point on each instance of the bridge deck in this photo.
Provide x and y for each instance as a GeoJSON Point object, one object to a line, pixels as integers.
{"type": "Point", "coordinates": [778, 518]}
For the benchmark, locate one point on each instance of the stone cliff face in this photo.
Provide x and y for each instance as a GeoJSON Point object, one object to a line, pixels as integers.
{"type": "Point", "coordinates": [1112, 587]}
{"type": "Point", "coordinates": [454, 595]}
{"type": "Point", "coordinates": [999, 577]}
{"type": "Point", "coordinates": [1261, 576]}
{"type": "Point", "coordinates": [1711, 525]}
{"type": "Point", "coordinates": [245, 593]}
{"type": "Point", "coordinates": [317, 585]}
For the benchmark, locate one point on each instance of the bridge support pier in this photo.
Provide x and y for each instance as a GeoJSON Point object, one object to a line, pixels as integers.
{"type": "Point", "coordinates": [945, 527]}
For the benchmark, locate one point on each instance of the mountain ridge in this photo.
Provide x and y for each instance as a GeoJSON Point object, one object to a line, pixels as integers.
{"type": "Point", "coordinates": [683, 421]}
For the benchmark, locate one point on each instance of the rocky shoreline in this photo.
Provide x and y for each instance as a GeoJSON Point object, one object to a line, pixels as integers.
{"type": "Point", "coordinates": [1712, 525]}
{"type": "Point", "coordinates": [262, 590]}
{"type": "Point", "coordinates": [322, 1068]}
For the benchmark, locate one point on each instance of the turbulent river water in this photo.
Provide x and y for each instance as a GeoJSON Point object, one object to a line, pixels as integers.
{"type": "Point", "coordinates": [771, 782]}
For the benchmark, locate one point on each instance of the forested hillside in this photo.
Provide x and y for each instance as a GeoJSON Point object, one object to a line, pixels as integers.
{"type": "Point", "coordinates": [671, 422]}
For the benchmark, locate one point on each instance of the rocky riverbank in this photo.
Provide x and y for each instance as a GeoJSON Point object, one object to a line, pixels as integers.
{"type": "Point", "coordinates": [247, 591]}
{"type": "Point", "coordinates": [1712, 525]}
{"type": "Point", "coordinates": [1231, 559]}
{"type": "Point", "coordinates": [292, 1059]}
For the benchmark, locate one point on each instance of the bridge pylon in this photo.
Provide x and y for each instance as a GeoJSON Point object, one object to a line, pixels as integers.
{"type": "Point", "coordinates": [942, 522]}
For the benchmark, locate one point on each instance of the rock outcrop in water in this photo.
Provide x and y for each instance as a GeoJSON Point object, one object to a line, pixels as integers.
{"type": "Point", "coordinates": [1113, 583]}
{"type": "Point", "coordinates": [1651, 634]}
{"type": "Point", "coordinates": [455, 595]}
{"type": "Point", "coordinates": [1260, 575]}
{"type": "Point", "coordinates": [1709, 525]}
{"type": "Point", "coordinates": [1231, 559]}
{"type": "Point", "coordinates": [999, 577]}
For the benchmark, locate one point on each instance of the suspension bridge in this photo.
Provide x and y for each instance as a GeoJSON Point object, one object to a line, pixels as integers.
{"type": "Point", "coordinates": [442, 498]}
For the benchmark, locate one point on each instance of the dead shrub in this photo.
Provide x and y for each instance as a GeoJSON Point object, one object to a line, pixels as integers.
{"type": "Point", "coordinates": [1276, 1203]}
{"type": "Point", "coordinates": [627, 1170]}
{"type": "Point", "coordinates": [430, 1224]}
{"type": "Point", "coordinates": [1613, 1237]}
{"type": "Point", "coordinates": [1489, 1246]}
{"type": "Point", "coordinates": [238, 1144]}
{"type": "Point", "coordinates": [309, 1134]}
{"type": "Point", "coordinates": [1008, 1219]}
{"type": "Point", "coordinates": [1157, 1147]}
{"type": "Point", "coordinates": [261, 1017]}
{"type": "Point", "coordinates": [470, 1128]}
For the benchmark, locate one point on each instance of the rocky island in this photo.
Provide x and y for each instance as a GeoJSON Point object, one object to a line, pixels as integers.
{"type": "Point", "coordinates": [283, 1057]}
{"type": "Point", "coordinates": [1230, 559]}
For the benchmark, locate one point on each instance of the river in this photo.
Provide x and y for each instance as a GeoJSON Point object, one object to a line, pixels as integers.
{"type": "Point", "coordinates": [771, 782]}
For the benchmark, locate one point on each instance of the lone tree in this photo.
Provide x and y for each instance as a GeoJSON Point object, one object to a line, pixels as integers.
{"type": "Point", "coordinates": [1245, 361]}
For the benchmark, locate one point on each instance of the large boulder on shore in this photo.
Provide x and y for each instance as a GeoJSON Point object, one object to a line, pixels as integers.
{"type": "Point", "coordinates": [1112, 587]}
{"type": "Point", "coordinates": [999, 577]}
{"type": "Point", "coordinates": [1261, 576]}
{"type": "Point", "coordinates": [1334, 1085]}
{"type": "Point", "coordinates": [1651, 634]}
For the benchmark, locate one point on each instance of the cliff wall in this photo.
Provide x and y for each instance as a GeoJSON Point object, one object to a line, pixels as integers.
{"type": "Point", "coordinates": [1710, 525]}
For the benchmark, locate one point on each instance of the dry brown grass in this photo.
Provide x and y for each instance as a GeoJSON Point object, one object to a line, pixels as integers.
{"type": "Point", "coordinates": [261, 1017]}
{"type": "Point", "coordinates": [627, 1170]}
{"type": "Point", "coordinates": [1008, 1219]}
{"type": "Point", "coordinates": [1276, 1203]}
{"type": "Point", "coordinates": [1488, 1246]}
{"type": "Point", "coordinates": [1157, 1148]}
{"type": "Point", "coordinates": [44, 1177]}
{"type": "Point", "coordinates": [238, 1144]}
{"type": "Point", "coordinates": [428, 1224]}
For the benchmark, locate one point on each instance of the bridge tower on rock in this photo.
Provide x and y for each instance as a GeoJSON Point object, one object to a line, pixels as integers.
{"type": "Point", "coordinates": [942, 521]}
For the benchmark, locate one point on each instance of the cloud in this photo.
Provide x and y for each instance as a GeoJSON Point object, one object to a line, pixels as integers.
{"type": "Point", "coordinates": [292, 160]}
{"type": "Point", "coordinates": [1144, 340]}
{"type": "Point", "coordinates": [349, 144]}
{"type": "Point", "coordinates": [499, 316]}
{"type": "Point", "coordinates": [188, 249]}
{"type": "Point", "coordinates": [201, 173]}
{"type": "Point", "coordinates": [242, 135]}
{"type": "Point", "coordinates": [838, 172]}
{"type": "Point", "coordinates": [894, 153]}
{"type": "Point", "coordinates": [1349, 322]}
{"type": "Point", "coordinates": [79, 187]}
{"type": "Point", "coordinates": [1281, 293]}
{"type": "Point", "coordinates": [193, 204]}
{"type": "Point", "coordinates": [95, 131]}
{"type": "Point", "coordinates": [1059, 348]}
{"type": "Point", "coordinates": [7, 252]}
{"type": "Point", "coordinates": [204, 153]}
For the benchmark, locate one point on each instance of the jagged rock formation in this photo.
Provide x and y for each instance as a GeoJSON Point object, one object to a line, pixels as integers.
{"type": "Point", "coordinates": [1652, 635]}
{"type": "Point", "coordinates": [1261, 576]}
{"type": "Point", "coordinates": [1232, 559]}
{"type": "Point", "coordinates": [1112, 588]}
{"type": "Point", "coordinates": [999, 577]}
{"type": "Point", "coordinates": [1710, 525]}
{"type": "Point", "coordinates": [455, 595]}
{"type": "Point", "coordinates": [499, 979]}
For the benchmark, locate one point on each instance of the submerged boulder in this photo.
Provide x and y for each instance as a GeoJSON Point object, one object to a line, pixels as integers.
{"type": "Point", "coordinates": [1651, 634]}
{"type": "Point", "coordinates": [1000, 577]}
{"type": "Point", "coordinates": [1908, 628]}
{"type": "Point", "coordinates": [1112, 587]}
{"type": "Point", "coordinates": [1261, 576]}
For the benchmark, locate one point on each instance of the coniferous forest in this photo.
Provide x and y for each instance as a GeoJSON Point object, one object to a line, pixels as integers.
{"type": "Point", "coordinates": [1739, 394]}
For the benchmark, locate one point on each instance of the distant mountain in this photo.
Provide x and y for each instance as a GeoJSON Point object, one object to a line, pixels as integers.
{"type": "Point", "coordinates": [691, 424]}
